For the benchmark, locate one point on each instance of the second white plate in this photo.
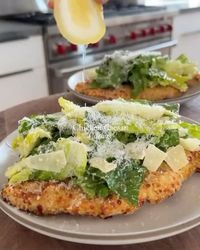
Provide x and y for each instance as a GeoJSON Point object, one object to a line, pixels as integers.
{"type": "Point", "coordinates": [177, 214]}
{"type": "Point", "coordinates": [76, 78]}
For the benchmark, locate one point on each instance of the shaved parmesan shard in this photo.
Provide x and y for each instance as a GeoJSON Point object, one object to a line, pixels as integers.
{"type": "Point", "coordinates": [176, 158]}
{"type": "Point", "coordinates": [143, 110]}
{"type": "Point", "coordinates": [136, 150]}
{"type": "Point", "coordinates": [53, 162]}
{"type": "Point", "coordinates": [102, 164]}
{"type": "Point", "coordinates": [154, 158]}
{"type": "Point", "coordinates": [191, 144]}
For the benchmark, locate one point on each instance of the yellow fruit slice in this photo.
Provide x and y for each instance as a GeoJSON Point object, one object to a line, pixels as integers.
{"type": "Point", "coordinates": [80, 21]}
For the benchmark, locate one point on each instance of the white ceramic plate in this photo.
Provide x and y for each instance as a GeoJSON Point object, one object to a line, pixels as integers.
{"type": "Point", "coordinates": [76, 78]}
{"type": "Point", "coordinates": [177, 214]}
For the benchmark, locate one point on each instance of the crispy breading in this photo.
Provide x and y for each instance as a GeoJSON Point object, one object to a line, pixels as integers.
{"type": "Point", "coordinates": [125, 92]}
{"type": "Point", "coordinates": [46, 198]}
{"type": "Point", "coordinates": [157, 93]}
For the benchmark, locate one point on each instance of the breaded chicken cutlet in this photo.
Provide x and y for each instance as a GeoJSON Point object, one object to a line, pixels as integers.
{"type": "Point", "coordinates": [50, 198]}
{"type": "Point", "coordinates": [157, 93]}
{"type": "Point", "coordinates": [101, 161]}
{"type": "Point", "coordinates": [148, 76]}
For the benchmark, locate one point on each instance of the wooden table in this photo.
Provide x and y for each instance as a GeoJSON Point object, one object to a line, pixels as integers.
{"type": "Point", "coordinates": [16, 237]}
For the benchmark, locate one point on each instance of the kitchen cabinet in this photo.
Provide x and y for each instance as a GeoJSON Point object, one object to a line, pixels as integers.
{"type": "Point", "coordinates": [187, 32]}
{"type": "Point", "coordinates": [22, 71]}
{"type": "Point", "coordinates": [21, 87]}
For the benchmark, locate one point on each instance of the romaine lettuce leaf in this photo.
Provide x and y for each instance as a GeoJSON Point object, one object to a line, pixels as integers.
{"type": "Point", "coordinates": [53, 161]}
{"type": "Point", "coordinates": [182, 66]}
{"type": "Point", "coordinates": [175, 108]}
{"type": "Point", "coordinates": [111, 74]}
{"type": "Point", "coordinates": [124, 181]}
{"type": "Point", "coordinates": [24, 145]}
{"type": "Point", "coordinates": [23, 175]}
{"type": "Point", "coordinates": [147, 71]}
{"type": "Point", "coordinates": [47, 122]}
{"type": "Point", "coordinates": [73, 111]}
{"type": "Point", "coordinates": [76, 156]}
{"type": "Point", "coordinates": [39, 175]}
{"type": "Point", "coordinates": [140, 126]}
{"type": "Point", "coordinates": [14, 169]}
{"type": "Point", "coordinates": [181, 70]}
{"type": "Point", "coordinates": [169, 139]}
{"type": "Point", "coordinates": [193, 129]}
{"type": "Point", "coordinates": [144, 71]}
{"type": "Point", "coordinates": [93, 184]}
{"type": "Point", "coordinates": [125, 137]}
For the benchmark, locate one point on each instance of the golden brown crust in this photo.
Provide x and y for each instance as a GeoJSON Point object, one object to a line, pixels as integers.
{"type": "Point", "coordinates": [195, 80]}
{"type": "Point", "coordinates": [46, 198]}
{"type": "Point", "coordinates": [157, 93]}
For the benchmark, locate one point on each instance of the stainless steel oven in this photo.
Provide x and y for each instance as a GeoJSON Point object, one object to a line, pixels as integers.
{"type": "Point", "coordinates": [61, 71]}
{"type": "Point", "coordinates": [130, 26]}
{"type": "Point", "coordinates": [65, 59]}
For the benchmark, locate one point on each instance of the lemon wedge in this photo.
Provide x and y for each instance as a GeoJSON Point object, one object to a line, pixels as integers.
{"type": "Point", "coordinates": [80, 21]}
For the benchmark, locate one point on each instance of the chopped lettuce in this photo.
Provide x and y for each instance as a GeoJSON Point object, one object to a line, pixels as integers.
{"type": "Point", "coordinates": [72, 111]}
{"type": "Point", "coordinates": [23, 175]}
{"type": "Point", "coordinates": [193, 129]}
{"type": "Point", "coordinates": [111, 73]}
{"type": "Point", "coordinates": [45, 146]}
{"type": "Point", "coordinates": [172, 107]}
{"type": "Point", "coordinates": [76, 156]}
{"type": "Point", "coordinates": [146, 111]}
{"type": "Point", "coordinates": [15, 169]}
{"type": "Point", "coordinates": [93, 184]}
{"type": "Point", "coordinates": [144, 71]}
{"type": "Point", "coordinates": [138, 126]}
{"type": "Point", "coordinates": [97, 157]}
{"type": "Point", "coordinates": [24, 145]}
{"type": "Point", "coordinates": [67, 106]}
{"type": "Point", "coordinates": [53, 162]}
{"type": "Point", "coordinates": [38, 133]}
{"type": "Point", "coordinates": [39, 175]}
{"type": "Point", "coordinates": [124, 181]}
{"type": "Point", "coordinates": [47, 122]}
{"type": "Point", "coordinates": [169, 139]}
{"type": "Point", "coordinates": [181, 67]}
{"type": "Point", "coordinates": [125, 137]}
{"type": "Point", "coordinates": [147, 71]}
{"type": "Point", "coordinates": [27, 174]}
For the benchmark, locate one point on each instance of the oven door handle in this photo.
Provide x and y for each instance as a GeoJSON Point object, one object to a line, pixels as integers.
{"type": "Point", "coordinates": [61, 72]}
{"type": "Point", "coordinates": [12, 37]}
{"type": "Point", "coordinates": [165, 45]}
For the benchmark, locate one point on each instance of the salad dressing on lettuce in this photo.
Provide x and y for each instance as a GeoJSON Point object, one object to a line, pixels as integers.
{"type": "Point", "coordinates": [142, 71]}
{"type": "Point", "coordinates": [109, 148]}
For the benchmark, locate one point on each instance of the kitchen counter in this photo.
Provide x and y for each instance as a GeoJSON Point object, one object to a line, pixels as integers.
{"type": "Point", "coordinates": [180, 6]}
{"type": "Point", "coordinates": [147, 16]}
{"type": "Point", "coordinates": [14, 30]}
{"type": "Point", "coordinates": [173, 8]}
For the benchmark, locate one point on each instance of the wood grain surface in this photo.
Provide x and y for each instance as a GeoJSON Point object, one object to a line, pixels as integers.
{"type": "Point", "coordinates": [16, 237]}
